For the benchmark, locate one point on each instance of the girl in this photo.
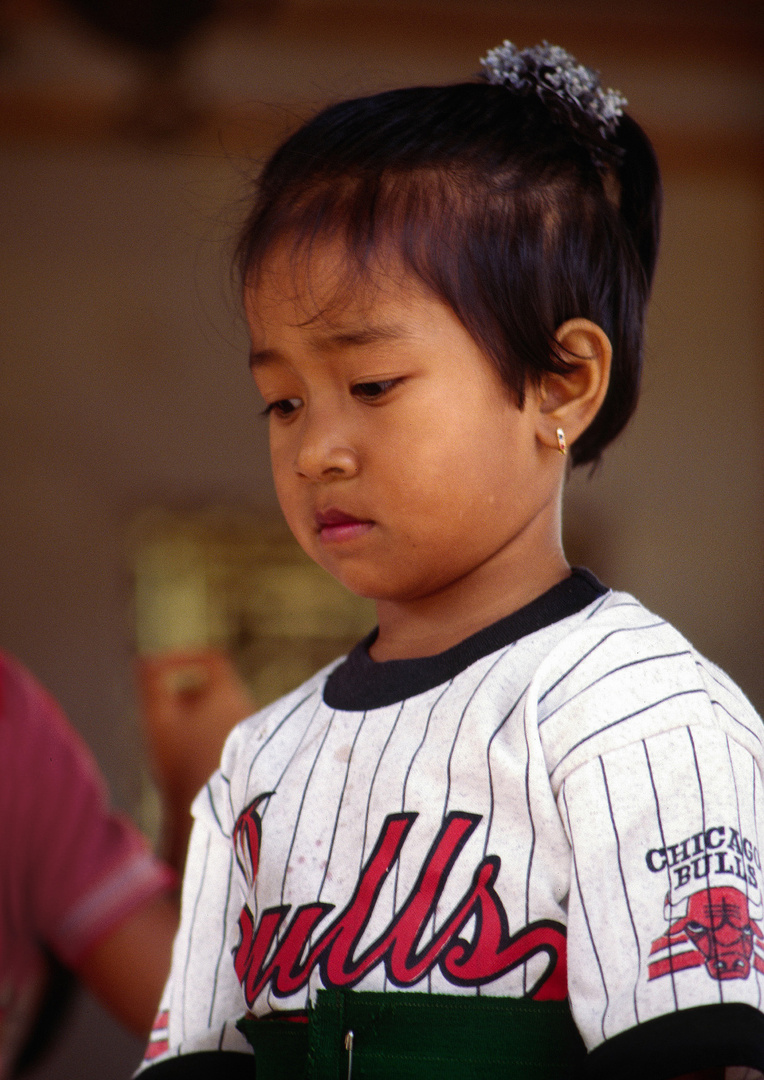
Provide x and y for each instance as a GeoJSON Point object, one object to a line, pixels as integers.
{"type": "Point", "coordinates": [516, 831]}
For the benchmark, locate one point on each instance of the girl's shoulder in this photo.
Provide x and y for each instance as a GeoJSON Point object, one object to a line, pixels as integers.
{"type": "Point", "coordinates": [263, 737]}
{"type": "Point", "coordinates": [259, 728]}
{"type": "Point", "coordinates": [624, 674]}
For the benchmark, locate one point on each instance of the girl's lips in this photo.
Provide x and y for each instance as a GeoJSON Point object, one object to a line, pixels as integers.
{"type": "Point", "coordinates": [334, 525]}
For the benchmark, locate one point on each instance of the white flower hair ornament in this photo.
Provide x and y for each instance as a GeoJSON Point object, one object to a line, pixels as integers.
{"type": "Point", "coordinates": [571, 91]}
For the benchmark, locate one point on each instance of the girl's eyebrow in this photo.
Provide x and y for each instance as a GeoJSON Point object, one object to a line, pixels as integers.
{"type": "Point", "coordinates": [367, 335]}
{"type": "Point", "coordinates": [260, 357]}
{"type": "Point", "coordinates": [331, 341]}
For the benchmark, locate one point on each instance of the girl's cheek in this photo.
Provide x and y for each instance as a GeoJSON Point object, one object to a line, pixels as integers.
{"type": "Point", "coordinates": [279, 451]}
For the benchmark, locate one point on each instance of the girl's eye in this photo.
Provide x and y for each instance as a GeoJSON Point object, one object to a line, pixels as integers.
{"type": "Point", "coordinates": [283, 408]}
{"type": "Point", "coordinates": [372, 391]}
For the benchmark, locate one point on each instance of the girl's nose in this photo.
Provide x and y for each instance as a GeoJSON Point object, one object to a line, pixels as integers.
{"type": "Point", "coordinates": [323, 454]}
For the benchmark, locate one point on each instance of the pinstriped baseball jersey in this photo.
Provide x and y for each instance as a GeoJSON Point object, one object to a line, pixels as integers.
{"type": "Point", "coordinates": [569, 802]}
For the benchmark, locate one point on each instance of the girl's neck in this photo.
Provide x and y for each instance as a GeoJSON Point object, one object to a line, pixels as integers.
{"type": "Point", "coordinates": [429, 625]}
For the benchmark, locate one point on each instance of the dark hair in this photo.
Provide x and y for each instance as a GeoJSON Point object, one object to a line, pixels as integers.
{"type": "Point", "coordinates": [496, 207]}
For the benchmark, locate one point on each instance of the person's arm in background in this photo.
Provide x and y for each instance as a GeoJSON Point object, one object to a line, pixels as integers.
{"type": "Point", "coordinates": [82, 889]}
{"type": "Point", "coordinates": [189, 702]}
{"type": "Point", "coordinates": [127, 969]}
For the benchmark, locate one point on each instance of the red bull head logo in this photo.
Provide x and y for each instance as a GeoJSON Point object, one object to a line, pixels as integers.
{"type": "Point", "coordinates": [720, 928]}
{"type": "Point", "coordinates": [716, 931]}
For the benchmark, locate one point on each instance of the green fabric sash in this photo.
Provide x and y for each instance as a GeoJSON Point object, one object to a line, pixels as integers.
{"type": "Point", "coordinates": [409, 1036]}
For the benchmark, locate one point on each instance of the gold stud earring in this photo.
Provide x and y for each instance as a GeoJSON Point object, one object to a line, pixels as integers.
{"type": "Point", "coordinates": [562, 445]}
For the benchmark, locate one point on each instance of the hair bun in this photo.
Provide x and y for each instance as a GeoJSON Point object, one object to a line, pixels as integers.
{"type": "Point", "coordinates": [571, 92]}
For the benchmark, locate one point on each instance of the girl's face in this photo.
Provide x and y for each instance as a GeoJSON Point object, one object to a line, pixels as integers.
{"type": "Point", "coordinates": [401, 462]}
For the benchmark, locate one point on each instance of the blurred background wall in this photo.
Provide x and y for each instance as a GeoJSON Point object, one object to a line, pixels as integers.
{"type": "Point", "coordinates": [123, 173]}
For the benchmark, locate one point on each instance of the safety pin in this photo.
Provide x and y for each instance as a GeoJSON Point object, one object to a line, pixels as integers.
{"type": "Point", "coordinates": [349, 1048]}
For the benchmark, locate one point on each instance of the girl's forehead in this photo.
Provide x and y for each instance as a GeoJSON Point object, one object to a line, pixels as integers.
{"type": "Point", "coordinates": [326, 284]}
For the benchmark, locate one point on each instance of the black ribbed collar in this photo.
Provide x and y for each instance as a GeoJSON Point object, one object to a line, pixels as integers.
{"type": "Point", "coordinates": [361, 683]}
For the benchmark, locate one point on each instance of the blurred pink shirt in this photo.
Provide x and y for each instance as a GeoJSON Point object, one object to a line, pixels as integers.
{"type": "Point", "coordinates": [70, 868]}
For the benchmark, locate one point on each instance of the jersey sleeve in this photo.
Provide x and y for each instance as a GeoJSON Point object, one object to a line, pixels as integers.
{"type": "Point", "coordinates": [202, 999]}
{"type": "Point", "coordinates": [666, 914]}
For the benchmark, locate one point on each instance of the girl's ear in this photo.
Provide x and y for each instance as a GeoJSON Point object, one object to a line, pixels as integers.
{"type": "Point", "coordinates": [572, 399]}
